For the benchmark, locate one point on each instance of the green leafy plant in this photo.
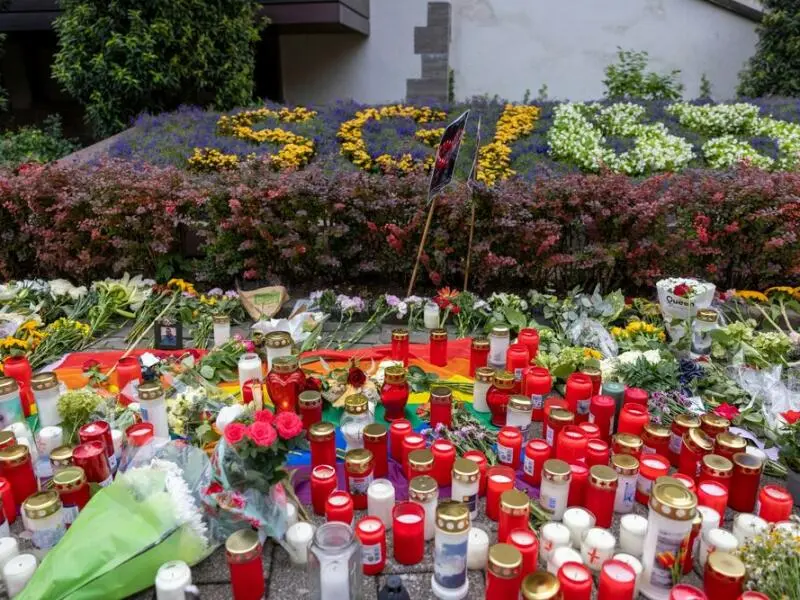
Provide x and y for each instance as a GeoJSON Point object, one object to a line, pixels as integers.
{"type": "Point", "coordinates": [788, 443]}
{"type": "Point", "coordinates": [627, 79]}
{"type": "Point", "coordinates": [705, 87]}
{"type": "Point", "coordinates": [124, 57]}
{"type": "Point", "coordinates": [35, 144]}
{"type": "Point", "coordinates": [221, 363]}
{"type": "Point", "coordinates": [76, 408]}
{"type": "Point", "coordinates": [641, 373]}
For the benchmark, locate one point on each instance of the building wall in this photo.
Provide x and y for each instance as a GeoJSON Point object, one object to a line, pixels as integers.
{"type": "Point", "coordinates": [506, 47]}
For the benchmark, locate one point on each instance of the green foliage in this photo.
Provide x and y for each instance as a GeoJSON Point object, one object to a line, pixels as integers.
{"type": "Point", "coordinates": [705, 86]}
{"type": "Point", "coordinates": [788, 443]}
{"type": "Point", "coordinates": [76, 408]}
{"type": "Point", "coordinates": [122, 57]}
{"type": "Point", "coordinates": [657, 377]}
{"type": "Point", "coordinates": [774, 70]}
{"type": "Point", "coordinates": [35, 144]}
{"type": "Point", "coordinates": [626, 79]}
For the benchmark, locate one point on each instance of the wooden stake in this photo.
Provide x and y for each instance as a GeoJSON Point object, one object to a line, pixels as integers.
{"type": "Point", "coordinates": [421, 246]}
{"type": "Point", "coordinates": [469, 244]}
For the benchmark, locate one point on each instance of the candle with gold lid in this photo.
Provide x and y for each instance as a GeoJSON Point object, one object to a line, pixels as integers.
{"type": "Point", "coordinates": [713, 424]}
{"type": "Point", "coordinates": [278, 344]}
{"type": "Point", "coordinates": [484, 376]}
{"type": "Point", "coordinates": [244, 555]}
{"type": "Point", "coordinates": [309, 403]}
{"type": "Point", "coordinates": [554, 491]}
{"type": "Point", "coordinates": [400, 346]}
{"type": "Point", "coordinates": [45, 518]}
{"type": "Point", "coordinates": [655, 439]}
{"type": "Point", "coordinates": [627, 443]}
{"type": "Point", "coordinates": [503, 573]}
{"type": "Point", "coordinates": [394, 393]}
{"type": "Point", "coordinates": [723, 578]}
{"type": "Point", "coordinates": [420, 462]}
{"type": "Point", "coordinates": [627, 468]}
{"type": "Point", "coordinates": [716, 468]}
{"type": "Point", "coordinates": [696, 444]}
{"type": "Point", "coordinates": [478, 355]}
{"type": "Point", "coordinates": [356, 417]}
{"type": "Point", "coordinates": [727, 444]}
{"type": "Point", "coordinates": [680, 425]}
{"type": "Point", "coordinates": [359, 465]}
{"type": "Point", "coordinates": [540, 586]}
{"type": "Point", "coordinates": [424, 490]}
{"type": "Point", "coordinates": [61, 458]}
{"type": "Point", "coordinates": [465, 484]}
{"type": "Point", "coordinates": [449, 578]}
{"type": "Point", "coordinates": [375, 440]}
{"type": "Point", "coordinates": [514, 513]}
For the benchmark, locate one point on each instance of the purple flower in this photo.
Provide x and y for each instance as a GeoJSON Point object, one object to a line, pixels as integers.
{"type": "Point", "coordinates": [215, 292]}
{"type": "Point", "coordinates": [392, 300]}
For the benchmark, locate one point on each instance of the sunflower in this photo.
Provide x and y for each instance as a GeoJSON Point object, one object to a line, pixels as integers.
{"type": "Point", "coordinates": [780, 290]}
{"type": "Point", "coordinates": [592, 353]}
{"type": "Point", "coordinates": [182, 285]}
{"type": "Point", "coordinates": [751, 295]}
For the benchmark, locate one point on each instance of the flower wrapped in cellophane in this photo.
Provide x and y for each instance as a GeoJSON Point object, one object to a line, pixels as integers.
{"type": "Point", "coordinates": [146, 517]}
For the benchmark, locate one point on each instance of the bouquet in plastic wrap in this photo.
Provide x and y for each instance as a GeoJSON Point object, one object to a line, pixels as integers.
{"type": "Point", "coordinates": [149, 515]}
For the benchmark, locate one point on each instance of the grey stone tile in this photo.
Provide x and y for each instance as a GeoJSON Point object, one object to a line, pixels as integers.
{"type": "Point", "coordinates": [434, 66]}
{"type": "Point", "coordinates": [439, 14]}
{"type": "Point", "coordinates": [426, 89]}
{"type": "Point", "coordinates": [431, 40]}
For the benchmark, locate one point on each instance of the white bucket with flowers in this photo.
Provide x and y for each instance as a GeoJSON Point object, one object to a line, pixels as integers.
{"type": "Point", "coordinates": [680, 298]}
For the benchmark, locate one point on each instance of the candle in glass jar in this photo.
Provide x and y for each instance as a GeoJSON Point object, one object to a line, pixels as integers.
{"type": "Point", "coordinates": [632, 419]}
{"type": "Point", "coordinates": [655, 439]}
{"type": "Point", "coordinates": [375, 437]}
{"type": "Point", "coordinates": [322, 441]}
{"type": "Point", "coordinates": [651, 467]}
{"type": "Point", "coordinates": [99, 431]}
{"type": "Point", "coordinates": [412, 441]}
{"type": "Point", "coordinates": [509, 447]}
{"type": "Point", "coordinates": [713, 424]}
{"type": "Point", "coordinates": [578, 484]}
{"type": "Point", "coordinates": [449, 578]}
{"type": "Point", "coordinates": [723, 578]}
{"type": "Point", "coordinates": [536, 453]}
{"type": "Point", "coordinates": [503, 572]}
{"type": "Point", "coordinates": [484, 376]}
{"type": "Point", "coordinates": [339, 507]}
{"type": "Point", "coordinates": [250, 367]}
{"type": "Point", "coordinates": [380, 501]}
{"type": "Point", "coordinates": [518, 414]}
{"type": "Point", "coordinates": [576, 581]}
{"type": "Point", "coordinates": [524, 540]}
{"type": "Point", "coordinates": [578, 395]}
{"type": "Point", "coordinates": [554, 490]}
{"type": "Point", "coordinates": [632, 530]}
{"type": "Point", "coordinates": [561, 556]}
{"type": "Point", "coordinates": [681, 424]}
{"type": "Point", "coordinates": [278, 344]}
{"type": "Point", "coordinates": [746, 526]}
{"type": "Point", "coordinates": [172, 579]}
{"type": "Point", "coordinates": [578, 520]}
{"type": "Point", "coordinates": [444, 455]}
{"type": "Point", "coordinates": [716, 540]}
{"type": "Point", "coordinates": [478, 355]}
{"type": "Point", "coordinates": [627, 468]}
{"type": "Point", "coordinates": [552, 535]}
{"type": "Point", "coordinates": [617, 581]}
{"type": "Point", "coordinates": [424, 490]}
{"type": "Point", "coordinates": [603, 483]}
{"type": "Point", "coordinates": [465, 484]}
{"type": "Point", "coordinates": [726, 444]}
{"type": "Point", "coordinates": [537, 385]}
{"type": "Point", "coordinates": [597, 547]}
{"type": "Point", "coordinates": [323, 482]}
{"type": "Point", "coordinates": [430, 315]}
{"type": "Point", "coordinates": [514, 513]}
{"type": "Point", "coordinates": [398, 430]}
{"type": "Point", "coordinates": [601, 413]}
{"type": "Point", "coordinates": [310, 404]}
{"type": "Point", "coordinates": [400, 345]}
{"type": "Point", "coordinates": [438, 347]}
{"type": "Point", "coordinates": [358, 465]}
{"type": "Point", "coordinates": [479, 458]}
{"type": "Point", "coordinates": [597, 453]}
{"type": "Point", "coordinates": [774, 503]}
{"type": "Point", "coordinates": [499, 480]}
{"type": "Point", "coordinates": [745, 481]}
{"type": "Point", "coordinates": [371, 532]}
{"type": "Point", "coordinates": [441, 399]}
{"type": "Point", "coordinates": [696, 444]}
{"type": "Point", "coordinates": [408, 526]}
{"type": "Point", "coordinates": [17, 572]}
{"type": "Point", "coordinates": [571, 446]}
{"type": "Point", "coordinates": [530, 338]}
{"type": "Point", "coordinates": [477, 549]}
{"type": "Point", "coordinates": [420, 462]}
{"type": "Point", "coordinates": [517, 359]}
{"type": "Point", "coordinates": [499, 395]}
{"type": "Point", "coordinates": [244, 555]}
{"type": "Point", "coordinates": [557, 419]}
{"type": "Point", "coordinates": [499, 341]}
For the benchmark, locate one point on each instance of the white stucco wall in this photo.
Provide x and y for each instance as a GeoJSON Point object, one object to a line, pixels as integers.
{"type": "Point", "coordinates": [504, 47]}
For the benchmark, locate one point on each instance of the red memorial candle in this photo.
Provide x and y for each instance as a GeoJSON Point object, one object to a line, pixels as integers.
{"type": "Point", "coordinates": [499, 480]}
{"type": "Point", "coordinates": [617, 581]}
{"type": "Point", "coordinates": [438, 347]}
{"type": "Point", "coordinates": [745, 481]}
{"type": "Point", "coordinates": [72, 487]}
{"type": "Point", "coordinates": [244, 555]}
{"type": "Point", "coordinates": [590, 430]}
{"type": "Point", "coordinates": [681, 424]}
{"type": "Point", "coordinates": [398, 430]}
{"type": "Point", "coordinates": [444, 455]}
{"type": "Point", "coordinates": [503, 572]}
{"type": "Point", "coordinates": [371, 532]}
{"type": "Point", "coordinates": [309, 404]}
{"type": "Point", "coordinates": [322, 440]}
{"type": "Point", "coordinates": [394, 393]}
{"type": "Point", "coordinates": [91, 457]}
{"type": "Point", "coordinates": [538, 384]}
{"type": "Point", "coordinates": [713, 424]}
{"type": "Point", "coordinates": [557, 419]}
{"type": "Point", "coordinates": [7, 439]}
{"type": "Point", "coordinates": [413, 441]}
{"type": "Point", "coordinates": [420, 462]}
{"type": "Point", "coordinates": [7, 499]}
{"type": "Point", "coordinates": [375, 438]}
{"type": "Point", "coordinates": [359, 467]}
{"type": "Point", "coordinates": [100, 431]}
{"type": "Point", "coordinates": [536, 453]}
{"type": "Point", "coordinates": [774, 503]}
{"type": "Point", "coordinates": [655, 439]}
{"type": "Point", "coordinates": [514, 513]}
{"type": "Point", "coordinates": [441, 406]}
{"type": "Point", "coordinates": [597, 453]}
{"type": "Point", "coordinates": [578, 395]}
{"type": "Point", "coordinates": [651, 467]}
{"type": "Point", "coordinates": [517, 359]}
{"type": "Point", "coordinates": [602, 490]}
{"type": "Point", "coordinates": [601, 413]}
{"type": "Point", "coordinates": [576, 581]}
{"type": "Point", "coordinates": [578, 484]}
{"type": "Point", "coordinates": [751, 595]}
{"type": "Point", "coordinates": [571, 444]}
{"type": "Point", "coordinates": [727, 444]}
{"type": "Point", "coordinates": [285, 382]}
{"type": "Point", "coordinates": [530, 338]}
{"type": "Point", "coordinates": [632, 419]}
{"type": "Point", "coordinates": [525, 540]}
{"type": "Point", "coordinates": [596, 375]}
{"type": "Point", "coordinates": [635, 396]}
{"type": "Point", "coordinates": [19, 369]}
{"type": "Point", "coordinates": [716, 468]}
{"type": "Point", "coordinates": [400, 346]}
{"type": "Point", "coordinates": [408, 525]}
{"type": "Point", "coordinates": [627, 443]}
{"type": "Point", "coordinates": [723, 577]}
{"type": "Point", "coordinates": [509, 447]}
{"type": "Point", "coordinates": [685, 480]}
{"type": "Point", "coordinates": [696, 444]}
{"type": "Point", "coordinates": [16, 467]}
{"type": "Point", "coordinates": [684, 591]}
{"type": "Point", "coordinates": [713, 495]}
{"type": "Point", "coordinates": [499, 396]}
{"type": "Point", "coordinates": [128, 369]}
{"type": "Point", "coordinates": [478, 354]}
{"type": "Point", "coordinates": [339, 507]}
{"type": "Point", "coordinates": [479, 457]}
{"type": "Point", "coordinates": [323, 482]}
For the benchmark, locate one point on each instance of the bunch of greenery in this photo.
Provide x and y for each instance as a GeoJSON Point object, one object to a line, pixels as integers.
{"type": "Point", "coordinates": [788, 443]}
{"type": "Point", "coordinates": [35, 144]}
{"type": "Point", "coordinates": [626, 79]}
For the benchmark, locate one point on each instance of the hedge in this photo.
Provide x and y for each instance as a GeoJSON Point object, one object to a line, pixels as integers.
{"type": "Point", "coordinates": [313, 227]}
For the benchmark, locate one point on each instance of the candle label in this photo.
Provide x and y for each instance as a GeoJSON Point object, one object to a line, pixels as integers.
{"type": "Point", "coordinates": [371, 554]}
{"type": "Point", "coordinates": [471, 501]}
{"type": "Point", "coordinates": [667, 551]}
{"type": "Point", "coordinates": [70, 513]}
{"type": "Point", "coordinates": [626, 494]}
{"type": "Point", "coordinates": [450, 564]}
{"type": "Point", "coordinates": [358, 485]}
{"type": "Point", "coordinates": [549, 503]}
{"type": "Point", "coordinates": [47, 538]}
{"type": "Point", "coordinates": [528, 465]}
{"type": "Point", "coordinates": [537, 401]}
{"type": "Point", "coordinates": [112, 462]}
{"type": "Point", "coordinates": [518, 374]}
{"type": "Point", "coordinates": [583, 406]}
{"type": "Point", "coordinates": [548, 435]}
{"type": "Point", "coordinates": [505, 454]}
{"type": "Point", "coordinates": [675, 443]}
{"type": "Point", "coordinates": [106, 482]}
{"type": "Point", "coordinates": [11, 410]}
{"type": "Point", "coordinates": [648, 449]}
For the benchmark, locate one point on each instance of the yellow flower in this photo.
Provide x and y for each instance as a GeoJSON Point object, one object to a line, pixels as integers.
{"type": "Point", "coordinates": [780, 289]}
{"type": "Point", "coordinates": [618, 332]}
{"type": "Point", "coordinates": [751, 295]}
{"type": "Point", "coordinates": [494, 159]}
{"type": "Point", "coordinates": [182, 286]}
{"type": "Point", "coordinates": [10, 343]}
{"type": "Point", "coordinates": [592, 353]}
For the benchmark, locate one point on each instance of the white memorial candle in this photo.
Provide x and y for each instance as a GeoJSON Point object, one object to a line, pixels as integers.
{"type": "Point", "coordinates": [711, 520]}
{"type": "Point", "coordinates": [380, 501]}
{"type": "Point", "coordinates": [335, 580]}
{"type": "Point", "coordinates": [632, 529]}
{"type": "Point", "coordinates": [9, 548]}
{"type": "Point", "coordinates": [562, 555]}
{"type": "Point", "coordinates": [577, 521]}
{"type": "Point", "coordinates": [553, 535]}
{"type": "Point", "coordinates": [746, 526]}
{"type": "Point", "coordinates": [431, 315]}
{"type": "Point", "coordinates": [298, 537]}
{"type": "Point", "coordinates": [222, 329]}
{"type": "Point", "coordinates": [716, 539]}
{"type": "Point", "coordinates": [291, 514]}
{"type": "Point", "coordinates": [249, 368]}
{"type": "Point", "coordinates": [17, 572]}
{"type": "Point", "coordinates": [597, 547]}
{"type": "Point", "coordinates": [477, 549]}
{"type": "Point", "coordinates": [635, 564]}
{"type": "Point", "coordinates": [172, 579]}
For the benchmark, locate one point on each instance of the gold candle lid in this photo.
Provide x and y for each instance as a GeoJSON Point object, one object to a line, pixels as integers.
{"type": "Point", "coordinates": [441, 395]}
{"type": "Point", "coordinates": [707, 315]}
{"type": "Point", "coordinates": [16, 454]}
{"type": "Point", "coordinates": [69, 479]}
{"type": "Point", "coordinates": [713, 421]}
{"type": "Point", "coordinates": [520, 403]}
{"type": "Point", "coordinates": [670, 498]}
{"type": "Point", "coordinates": [221, 319]}
{"type": "Point", "coordinates": [399, 334]}
{"type": "Point", "coordinates": [355, 404]}
{"type": "Point", "coordinates": [656, 431]}
{"type": "Point", "coordinates": [8, 385]}
{"type": "Point", "coordinates": [602, 476]}
{"type": "Point", "coordinates": [625, 464]}
{"type": "Point", "coordinates": [484, 374]}
{"type": "Point", "coordinates": [747, 463]}
{"type": "Point", "coordinates": [150, 390]}
{"type": "Point", "coordinates": [278, 339]}
{"type": "Point", "coordinates": [480, 343]}
{"type": "Point", "coordinates": [505, 561]}
{"type": "Point", "coordinates": [452, 516]}
{"type": "Point", "coordinates": [309, 399]}
{"type": "Point", "coordinates": [727, 565]}
{"type": "Point", "coordinates": [438, 335]}
{"type": "Point", "coordinates": [7, 438]}
{"type": "Point", "coordinates": [62, 454]}
{"type": "Point", "coordinates": [375, 432]}
{"type": "Point", "coordinates": [556, 470]}
{"type": "Point", "coordinates": [500, 331]}
{"type": "Point", "coordinates": [503, 380]}
{"type": "Point", "coordinates": [686, 421]}
{"type": "Point", "coordinates": [358, 460]}
{"type": "Point", "coordinates": [420, 460]}
{"type": "Point", "coordinates": [394, 374]}
{"type": "Point", "coordinates": [465, 470]}
{"type": "Point", "coordinates": [42, 504]}
{"type": "Point", "coordinates": [285, 364]}
{"type": "Point", "coordinates": [321, 431]}
{"type": "Point", "coordinates": [731, 441]}
{"type": "Point", "coordinates": [44, 381]}
{"type": "Point", "coordinates": [515, 502]}
{"type": "Point", "coordinates": [698, 440]}
{"type": "Point", "coordinates": [561, 415]}
{"type": "Point", "coordinates": [541, 586]}
{"type": "Point", "coordinates": [717, 465]}
{"type": "Point", "coordinates": [629, 442]}
{"type": "Point", "coordinates": [242, 545]}
{"type": "Point", "coordinates": [423, 488]}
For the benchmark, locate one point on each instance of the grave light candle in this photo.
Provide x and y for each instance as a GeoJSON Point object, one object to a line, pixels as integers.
{"type": "Point", "coordinates": [509, 446]}
{"type": "Point", "coordinates": [17, 572]}
{"type": "Point", "coordinates": [398, 430]}
{"type": "Point", "coordinates": [375, 440]}
{"type": "Point", "coordinates": [603, 482]}
{"type": "Point", "coordinates": [774, 503]}
{"type": "Point", "coordinates": [655, 439]}
{"type": "Point", "coordinates": [499, 395]}
{"type": "Point", "coordinates": [716, 468]}
{"type": "Point", "coordinates": [597, 547]}
{"type": "Point", "coordinates": [540, 586]}
{"type": "Point", "coordinates": [597, 453]}
{"type": "Point", "coordinates": [478, 355]}
{"type": "Point", "coordinates": [444, 455]}
{"type": "Point", "coordinates": [371, 532]}
{"type": "Point", "coordinates": [617, 581]}
{"type": "Point", "coordinates": [322, 440]}
{"type": "Point", "coordinates": [438, 347]}
{"type": "Point", "coordinates": [635, 564]}
{"type": "Point", "coordinates": [449, 580]}
{"type": "Point", "coordinates": [424, 491]}
{"type": "Point", "coordinates": [477, 549]}
{"type": "Point", "coordinates": [309, 404]}
{"type": "Point", "coordinates": [499, 480]}
{"type": "Point", "coordinates": [465, 484]}
{"type": "Point", "coordinates": [554, 490]}
{"type": "Point", "coordinates": [499, 341]}
{"type": "Point", "coordinates": [632, 529]}
{"type": "Point", "coordinates": [479, 458]}
{"type": "Point", "coordinates": [514, 513]}
{"type": "Point", "coordinates": [430, 315]}
{"type": "Point", "coordinates": [380, 501]}
{"type": "Point", "coordinates": [536, 453]}
{"type": "Point", "coordinates": [503, 573]}
{"type": "Point", "coordinates": [627, 468]}
{"type": "Point", "coordinates": [400, 346]}
{"type": "Point", "coordinates": [571, 444]}
{"type": "Point", "coordinates": [552, 535]}
{"type": "Point", "coordinates": [561, 556]}
{"type": "Point", "coordinates": [696, 444]}
{"type": "Point", "coordinates": [745, 481]}
{"type": "Point", "coordinates": [578, 484]}
{"type": "Point", "coordinates": [576, 581]}
{"type": "Point", "coordinates": [408, 526]}
{"type": "Point", "coordinates": [538, 384]}
{"type": "Point", "coordinates": [484, 376]}
{"type": "Point", "coordinates": [651, 467]}
{"type": "Point", "coordinates": [244, 554]}
{"type": "Point", "coordinates": [517, 359]}
{"type": "Point", "coordinates": [339, 508]}
{"type": "Point", "coordinates": [681, 425]}
{"type": "Point", "coordinates": [723, 578]}
{"type": "Point", "coordinates": [172, 579]}
{"type": "Point", "coordinates": [746, 526]}
{"type": "Point", "coordinates": [524, 540]}
{"type": "Point", "coordinates": [519, 414]}
{"type": "Point", "coordinates": [530, 338]}
{"type": "Point", "coordinates": [578, 520]}
{"type": "Point", "coordinates": [323, 482]}
{"type": "Point", "coordinates": [713, 495]}
{"type": "Point", "coordinates": [359, 465]}
{"type": "Point", "coordinates": [632, 419]}
{"type": "Point", "coordinates": [601, 413]}
{"type": "Point", "coordinates": [716, 540]}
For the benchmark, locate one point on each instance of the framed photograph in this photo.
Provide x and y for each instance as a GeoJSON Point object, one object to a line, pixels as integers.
{"type": "Point", "coordinates": [169, 335]}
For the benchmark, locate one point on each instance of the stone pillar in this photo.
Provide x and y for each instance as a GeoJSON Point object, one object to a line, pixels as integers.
{"type": "Point", "coordinates": [432, 43]}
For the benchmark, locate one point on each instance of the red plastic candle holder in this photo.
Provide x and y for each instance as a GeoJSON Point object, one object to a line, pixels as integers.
{"type": "Point", "coordinates": [774, 503]}
{"type": "Point", "coordinates": [479, 457]}
{"type": "Point", "coordinates": [716, 468]}
{"type": "Point", "coordinates": [7, 499]}
{"type": "Point", "coordinates": [99, 431]}
{"type": "Point", "coordinates": [745, 481]}
{"type": "Point", "coordinates": [655, 439]}
{"type": "Point", "coordinates": [538, 384]}
{"type": "Point", "coordinates": [651, 467]}
{"type": "Point", "coordinates": [322, 441]}
{"type": "Point", "coordinates": [359, 465]}
{"type": "Point", "coordinates": [685, 480]}
{"type": "Point", "coordinates": [438, 347]}
{"type": "Point", "coordinates": [16, 467]}
{"type": "Point", "coordinates": [601, 491]}
{"type": "Point", "coordinates": [696, 444]}
{"type": "Point", "coordinates": [571, 445]}
{"type": "Point", "coordinates": [525, 540]}
{"type": "Point", "coordinates": [128, 369]}
{"type": "Point", "coordinates": [375, 440]}
{"type": "Point", "coordinates": [309, 404]}
{"type": "Point", "coordinates": [617, 581]}
{"type": "Point", "coordinates": [323, 482]}
{"type": "Point", "coordinates": [517, 359]}
{"type": "Point", "coordinates": [441, 399]}
{"type": "Point", "coordinates": [91, 457]}
{"type": "Point", "coordinates": [576, 581]}
{"type": "Point", "coordinates": [18, 368]}
{"type": "Point", "coordinates": [601, 413]}
{"type": "Point", "coordinates": [499, 395]}
{"type": "Point", "coordinates": [536, 453]}
{"type": "Point", "coordinates": [371, 532]}
{"type": "Point", "coordinates": [412, 441]}
{"type": "Point", "coordinates": [244, 556]}
{"type": "Point", "coordinates": [478, 354]}
{"type": "Point", "coordinates": [578, 395]}
{"type": "Point", "coordinates": [590, 430]}
{"type": "Point", "coordinates": [503, 572]}
{"type": "Point", "coordinates": [713, 495]}
{"type": "Point", "coordinates": [557, 419]}
{"type": "Point", "coordinates": [578, 484]}
{"type": "Point", "coordinates": [339, 507]}
{"type": "Point", "coordinates": [498, 480]}
{"type": "Point", "coordinates": [394, 393]}
{"type": "Point", "coordinates": [681, 425]}
{"type": "Point", "coordinates": [398, 430]}
{"type": "Point", "coordinates": [632, 418]}
{"type": "Point", "coordinates": [683, 591]}
{"type": "Point", "coordinates": [596, 375]}
{"type": "Point", "coordinates": [635, 396]}
{"type": "Point", "coordinates": [509, 447]}
{"type": "Point", "coordinates": [514, 513]}
{"type": "Point", "coordinates": [597, 453]}
{"type": "Point", "coordinates": [400, 346]}
{"type": "Point", "coordinates": [444, 455]}
{"type": "Point", "coordinates": [723, 576]}
{"type": "Point", "coordinates": [530, 338]}
{"type": "Point", "coordinates": [408, 525]}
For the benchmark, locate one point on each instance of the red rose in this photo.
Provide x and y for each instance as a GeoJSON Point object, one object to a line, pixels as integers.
{"type": "Point", "coordinates": [727, 411]}
{"type": "Point", "coordinates": [288, 425]}
{"type": "Point", "coordinates": [312, 383]}
{"type": "Point", "coordinates": [235, 433]}
{"type": "Point", "coordinates": [90, 364]}
{"type": "Point", "coordinates": [791, 416]}
{"type": "Point", "coordinates": [264, 416]}
{"type": "Point", "coordinates": [681, 290]}
{"type": "Point", "coordinates": [356, 377]}
{"type": "Point", "coordinates": [262, 434]}
{"type": "Point", "coordinates": [214, 488]}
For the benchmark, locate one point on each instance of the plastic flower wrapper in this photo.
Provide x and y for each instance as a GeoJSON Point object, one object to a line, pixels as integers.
{"type": "Point", "coordinates": [300, 326]}
{"type": "Point", "coordinates": [146, 517]}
